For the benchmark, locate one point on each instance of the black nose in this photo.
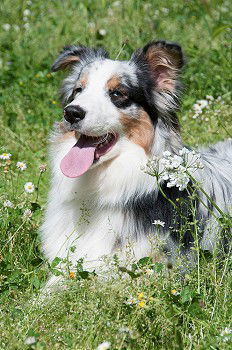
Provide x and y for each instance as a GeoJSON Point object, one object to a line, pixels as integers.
{"type": "Point", "coordinates": [73, 114]}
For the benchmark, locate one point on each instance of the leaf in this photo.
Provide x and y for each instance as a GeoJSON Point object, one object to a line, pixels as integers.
{"type": "Point", "coordinates": [56, 272]}
{"type": "Point", "coordinates": [145, 261]}
{"type": "Point", "coordinates": [195, 310]}
{"type": "Point", "coordinates": [84, 274]}
{"type": "Point", "coordinates": [35, 206]}
{"type": "Point", "coordinates": [219, 30]}
{"type": "Point", "coordinates": [55, 262]}
{"type": "Point", "coordinates": [36, 282]}
{"type": "Point", "coordinates": [186, 295]}
{"type": "Point", "coordinates": [157, 267]}
{"type": "Point", "coordinates": [130, 272]}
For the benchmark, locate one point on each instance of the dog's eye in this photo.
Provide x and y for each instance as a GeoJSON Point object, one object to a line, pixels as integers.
{"type": "Point", "coordinates": [77, 90]}
{"type": "Point", "coordinates": [116, 93]}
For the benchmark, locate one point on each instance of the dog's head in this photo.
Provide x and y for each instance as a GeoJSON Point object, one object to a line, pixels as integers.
{"type": "Point", "coordinates": [107, 101]}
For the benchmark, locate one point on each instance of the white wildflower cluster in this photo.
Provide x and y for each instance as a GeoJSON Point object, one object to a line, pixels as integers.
{"type": "Point", "coordinates": [8, 204]}
{"type": "Point", "coordinates": [201, 107]}
{"type": "Point", "coordinates": [174, 169]}
{"type": "Point", "coordinates": [26, 14]}
{"type": "Point", "coordinates": [27, 214]}
{"type": "Point", "coordinates": [7, 27]}
{"type": "Point", "coordinates": [226, 334]}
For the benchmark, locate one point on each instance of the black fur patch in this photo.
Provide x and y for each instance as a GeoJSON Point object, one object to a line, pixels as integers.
{"type": "Point", "coordinates": [178, 221]}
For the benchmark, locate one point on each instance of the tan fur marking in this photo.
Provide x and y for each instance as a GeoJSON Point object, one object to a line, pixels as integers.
{"type": "Point", "coordinates": [84, 80]}
{"type": "Point", "coordinates": [68, 60]}
{"type": "Point", "coordinates": [140, 130]}
{"type": "Point", "coordinates": [66, 136]}
{"type": "Point", "coordinates": [113, 82]}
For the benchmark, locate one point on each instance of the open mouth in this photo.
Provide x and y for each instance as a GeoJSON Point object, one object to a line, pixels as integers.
{"type": "Point", "coordinates": [85, 152]}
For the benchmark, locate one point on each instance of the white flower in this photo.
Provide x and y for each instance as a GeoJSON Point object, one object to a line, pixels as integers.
{"type": "Point", "coordinates": [167, 154]}
{"type": "Point", "coordinates": [8, 204]}
{"type": "Point", "coordinates": [124, 330]}
{"type": "Point", "coordinates": [30, 340]}
{"type": "Point", "coordinates": [202, 103]}
{"type": "Point", "coordinates": [102, 32]}
{"type": "Point", "coordinates": [226, 334]}
{"type": "Point", "coordinates": [197, 108]}
{"type": "Point", "coordinates": [26, 12]}
{"type": "Point", "coordinates": [5, 156]}
{"type": "Point", "coordinates": [21, 166]}
{"type": "Point", "coordinates": [158, 223]}
{"type": "Point", "coordinates": [6, 27]}
{"type": "Point", "coordinates": [116, 3]}
{"type": "Point", "coordinates": [16, 27]}
{"type": "Point", "coordinates": [149, 272]}
{"type": "Point", "coordinates": [165, 10]}
{"type": "Point", "coordinates": [104, 346]}
{"type": "Point", "coordinates": [26, 26]}
{"type": "Point", "coordinates": [27, 214]}
{"type": "Point", "coordinates": [184, 151]}
{"type": "Point", "coordinates": [177, 161]}
{"type": "Point", "coordinates": [131, 301]}
{"type": "Point", "coordinates": [29, 187]}
{"type": "Point", "coordinates": [178, 179]}
{"type": "Point", "coordinates": [209, 97]}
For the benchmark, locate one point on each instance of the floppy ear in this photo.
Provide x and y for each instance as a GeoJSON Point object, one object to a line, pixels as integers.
{"type": "Point", "coordinates": [164, 60]}
{"type": "Point", "coordinates": [73, 54]}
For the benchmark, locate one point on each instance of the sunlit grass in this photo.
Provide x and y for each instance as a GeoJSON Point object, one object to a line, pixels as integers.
{"type": "Point", "coordinates": [169, 311]}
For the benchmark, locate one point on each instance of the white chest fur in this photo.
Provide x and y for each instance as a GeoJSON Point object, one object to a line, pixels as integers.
{"type": "Point", "coordinates": [87, 212]}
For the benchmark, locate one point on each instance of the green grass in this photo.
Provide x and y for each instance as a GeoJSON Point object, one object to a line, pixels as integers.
{"type": "Point", "coordinates": [92, 311]}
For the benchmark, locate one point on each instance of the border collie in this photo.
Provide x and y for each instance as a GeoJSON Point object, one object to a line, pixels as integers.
{"type": "Point", "coordinates": [118, 115]}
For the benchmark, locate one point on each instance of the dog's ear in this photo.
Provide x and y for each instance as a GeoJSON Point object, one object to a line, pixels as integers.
{"type": "Point", "coordinates": [76, 54]}
{"type": "Point", "coordinates": [164, 60]}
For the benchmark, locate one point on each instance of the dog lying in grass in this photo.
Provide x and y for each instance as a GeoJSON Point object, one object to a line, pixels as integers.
{"type": "Point", "coordinates": [120, 116]}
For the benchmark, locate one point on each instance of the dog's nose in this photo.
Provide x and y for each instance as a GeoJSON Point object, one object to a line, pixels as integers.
{"type": "Point", "coordinates": [73, 114]}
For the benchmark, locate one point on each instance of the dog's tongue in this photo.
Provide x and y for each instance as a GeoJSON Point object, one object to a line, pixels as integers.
{"type": "Point", "coordinates": [80, 158]}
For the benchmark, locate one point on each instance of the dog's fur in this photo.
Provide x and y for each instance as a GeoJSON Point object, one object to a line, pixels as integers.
{"type": "Point", "coordinates": [112, 206]}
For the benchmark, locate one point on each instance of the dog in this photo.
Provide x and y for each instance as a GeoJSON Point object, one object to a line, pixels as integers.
{"type": "Point", "coordinates": [117, 116]}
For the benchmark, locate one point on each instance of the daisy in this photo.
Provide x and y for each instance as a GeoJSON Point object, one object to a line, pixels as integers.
{"type": "Point", "coordinates": [5, 156]}
{"type": "Point", "coordinates": [29, 187]}
{"type": "Point", "coordinates": [21, 166]}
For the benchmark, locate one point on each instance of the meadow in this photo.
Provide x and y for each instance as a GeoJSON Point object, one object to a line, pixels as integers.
{"type": "Point", "coordinates": [152, 309]}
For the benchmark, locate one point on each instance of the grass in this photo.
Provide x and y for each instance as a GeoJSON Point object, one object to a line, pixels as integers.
{"type": "Point", "coordinates": [177, 313]}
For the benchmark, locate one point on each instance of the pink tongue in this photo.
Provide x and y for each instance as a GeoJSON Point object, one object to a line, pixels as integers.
{"type": "Point", "coordinates": [80, 158]}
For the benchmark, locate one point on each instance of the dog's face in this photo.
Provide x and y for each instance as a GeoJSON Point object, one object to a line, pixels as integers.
{"type": "Point", "coordinates": [108, 102]}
